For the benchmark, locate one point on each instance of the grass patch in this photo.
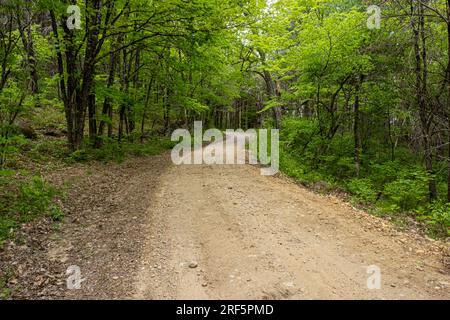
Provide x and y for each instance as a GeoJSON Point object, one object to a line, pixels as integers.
{"type": "Point", "coordinates": [24, 198]}
{"type": "Point", "coordinates": [5, 292]}
{"type": "Point", "coordinates": [112, 150]}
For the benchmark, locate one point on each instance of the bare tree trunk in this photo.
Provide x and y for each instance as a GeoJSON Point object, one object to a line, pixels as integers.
{"type": "Point", "coordinates": [144, 113]}
{"type": "Point", "coordinates": [357, 135]}
{"type": "Point", "coordinates": [107, 104]}
{"type": "Point", "coordinates": [448, 96]}
{"type": "Point", "coordinates": [87, 103]}
{"type": "Point", "coordinates": [68, 93]}
{"type": "Point", "coordinates": [25, 30]}
{"type": "Point", "coordinates": [272, 92]}
{"type": "Point", "coordinates": [92, 120]}
{"type": "Point", "coordinates": [421, 91]}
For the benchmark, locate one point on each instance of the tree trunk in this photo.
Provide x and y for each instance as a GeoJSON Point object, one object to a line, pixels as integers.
{"type": "Point", "coordinates": [107, 104]}
{"type": "Point", "coordinates": [448, 97]}
{"type": "Point", "coordinates": [357, 136]}
{"type": "Point", "coordinates": [272, 93]}
{"type": "Point", "coordinates": [421, 94]}
{"type": "Point", "coordinates": [92, 120]}
{"type": "Point", "coordinates": [25, 30]}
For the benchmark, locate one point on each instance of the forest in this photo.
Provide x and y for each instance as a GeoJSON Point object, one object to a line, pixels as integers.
{"type": "Point", "coordinates": [362, 111]}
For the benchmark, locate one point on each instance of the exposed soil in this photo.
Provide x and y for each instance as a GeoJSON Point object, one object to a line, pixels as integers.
{"type": "Point", "coordinates": [215, 232]}
{"type": "Point", "coordinates": [103, 233]}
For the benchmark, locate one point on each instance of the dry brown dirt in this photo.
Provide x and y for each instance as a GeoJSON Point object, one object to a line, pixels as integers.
{"type": "Point", "coordinates": [256, 237]}
{"type": "Point", "coordinates": [150, 230]}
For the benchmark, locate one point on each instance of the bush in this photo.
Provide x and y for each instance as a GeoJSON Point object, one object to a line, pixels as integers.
{"type": "Point", "coordinates": [78, 156]}
{"type": "Point", "coordinates": [23, 200]}
{"type": "Point", "coordinates": [437, 217]}
{"type": "Point", "coordinates": [297, 132]}
{"type": "Point", "coordinates": [290, 166]}
{"type": "Point", "coordinates": [112, 150]}
{"type": "Point", "coordinates": [382, 173]}
{"type": "Point", "coordinates": [9, 149]}
{"type": "Point", "coordinates": [407, 193]}
{"type": "Point", "coordinates": [44, 150]}
{"type": "Point", "coordinates": [294, 168]}
{"type": "Point", "coordinates": [362, 189]}
{"type": "Point", "coordinates": [344, 167]}
{"type": "Point", "coordinates": [35, 197]}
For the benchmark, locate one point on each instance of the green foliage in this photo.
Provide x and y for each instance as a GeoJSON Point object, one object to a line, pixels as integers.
{"type": "Point", "coordinates": [362, 189]}
{"type": "Point", "coordinates": [295, 168]}
{"type": "Point", "coordinates": [34, 198]}
{"type": "Point", "coordinates": [9, 149]}
{"type": "Point", "coordinates": [5, 292]}
{"type": "Point", "coordinates": [43, 151]}
{"type": "Point", "coordinates": [78, 156]}
{"type": "Point", "coordinates": [7, 225]}
{"type": "Point", "coordinates": [55, 213]}
{"type": "Point", "coordinates": [23, 200]}
{"type": "Point", "coordinates": [391, 187]}
{"type": "Point", "coordinates": [298, 132]}
{"type": "Point", "coordinates": [406, 194]}
{"type": "Point", "coordinates": [195, 106]}
{"type": "Point", "coordinates": [112, 150]}
{"type": "Point", "coordinates": [437, 217]}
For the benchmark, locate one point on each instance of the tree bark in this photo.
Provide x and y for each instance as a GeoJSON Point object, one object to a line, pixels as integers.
{"type": "Point", "coordinates": [25, 30]}
{"type": "Point", "coordinates": [425, 114]}
{"type": "Point", "coordinates": [107, 104]}
{"type": "Point", "coordinates": [448, 96]}
{"type": "Point", "coordinates": [357, 135]}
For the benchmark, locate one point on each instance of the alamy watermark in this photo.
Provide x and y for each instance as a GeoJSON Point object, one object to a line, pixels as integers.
{"type": "Point", "coordinates": [74, 278]}
{"type": "Point", "coordinates": [374, 19]}
{"type": "Point", "coordinates": [74, 19]}
{"type": "Point", "coordinates": [374, 280]}
{"type": "Point", "coordinates": [228, 148]}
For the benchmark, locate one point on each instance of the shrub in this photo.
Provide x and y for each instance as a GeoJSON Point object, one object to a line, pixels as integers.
{"type": "Point", "coordinates": [44, 150]}
{"type": "Point", "coordinates": [297, 132]}
{"type": "Point", "coordinates": [362, 189]}
{"type": "Point", "coordinates": [437, 217]}
{"type": "Point", "coordinates": [78, 156]}
{"type": "Point", "coordinates": [344, 167]}
{"type": "Point", "coordinates": [23, 200]}
{"type": "Point", "coordinates": [112, 150]}
{"type": "Point", "coordinates": [382, 173]}
{"type": "Point", "coordinates": [9, 149]}
{"type": "Point", "coordinates": [407, 194]}
{"type": "Point", "coordinates": [290, 166]}
{"type": "Point", "coordinates": [35, 197]}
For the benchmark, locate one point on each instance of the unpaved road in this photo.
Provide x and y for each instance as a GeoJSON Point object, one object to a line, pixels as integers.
{"type": "Point", "coordinates": [256, 237]}
{"type": "Point", "coordinates": [219, 232]}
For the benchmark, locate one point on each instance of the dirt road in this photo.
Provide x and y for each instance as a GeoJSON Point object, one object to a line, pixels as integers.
{"type": "Point", "coordinates": [226, 232]}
